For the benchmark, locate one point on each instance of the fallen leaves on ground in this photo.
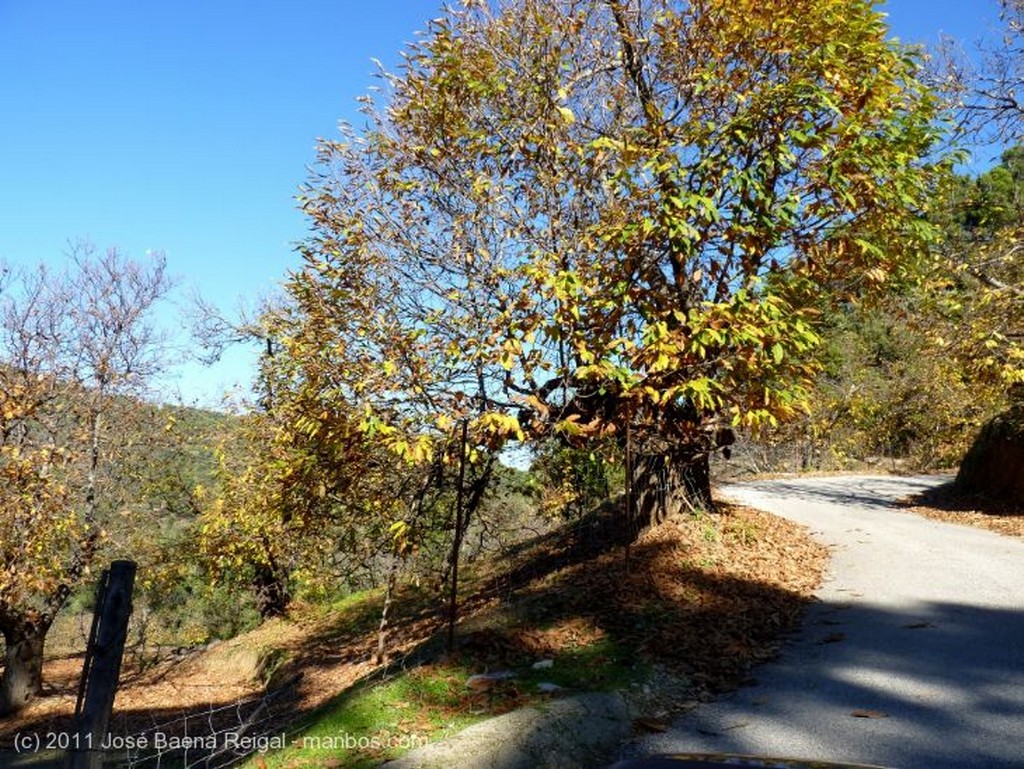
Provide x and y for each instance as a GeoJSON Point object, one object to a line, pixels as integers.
{"type": "Point", "coordinates": [833, 638]}
{"type": "Point", "coordinates": [944, 504]}
{"type": "Point", "coordinates": [706, 596]}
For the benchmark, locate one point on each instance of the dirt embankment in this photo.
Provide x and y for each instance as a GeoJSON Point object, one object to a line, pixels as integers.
{"type": "Point", "coordinates": [704, 597]}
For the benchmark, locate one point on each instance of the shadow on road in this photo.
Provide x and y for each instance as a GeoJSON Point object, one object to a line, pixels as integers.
{"type": "Point", "coordinates": [940, 687]}
{"type": "Point", "coordinates": [948, 497]}
{"type": "Point", "coordinates": [867, 491]}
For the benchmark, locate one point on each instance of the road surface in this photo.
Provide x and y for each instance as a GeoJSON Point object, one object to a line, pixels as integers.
{"type": "Point", "coordinates": [913, 657]}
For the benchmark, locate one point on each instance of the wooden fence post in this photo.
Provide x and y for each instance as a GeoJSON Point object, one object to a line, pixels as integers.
{"type": "Point", "coordinates": [102, 665]}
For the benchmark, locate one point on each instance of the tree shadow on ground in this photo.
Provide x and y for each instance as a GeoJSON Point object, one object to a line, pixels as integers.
{"type": "Point", "coordinates": [567, 590]}
{"type": "Point", "coordinates": [949, 498]}
{"type": "Point", "coordinates": [938, 685]}
{"type": "Point", "coordinates": [875, 491]}
{"type": "Point", "coordinates": [665, 602]}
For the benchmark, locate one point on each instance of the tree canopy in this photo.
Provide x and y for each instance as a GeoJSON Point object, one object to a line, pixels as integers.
{"type": "Point", "coordinates": [595, 218]}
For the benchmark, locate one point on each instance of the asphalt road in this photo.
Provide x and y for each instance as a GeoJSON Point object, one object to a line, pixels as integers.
{"type": "Point", "coordinates": [913, 657]}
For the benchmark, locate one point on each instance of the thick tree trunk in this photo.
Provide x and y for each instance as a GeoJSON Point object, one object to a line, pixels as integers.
{"type": "Point", "coordinates": [671, 483]}
{"type": "Point", "coordinates": [22, 678]}
{"type": "Point", "coordinates": [271, 592]}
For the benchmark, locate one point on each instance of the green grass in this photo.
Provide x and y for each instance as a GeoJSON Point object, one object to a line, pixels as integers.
{"type": "Point", "coordinates": [599, 666]}
{"type": "Point", "coordinates": [378, 721]}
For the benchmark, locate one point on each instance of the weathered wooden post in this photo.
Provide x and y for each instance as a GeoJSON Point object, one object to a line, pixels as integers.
{"type": "Point", "coordinates": [102, 665]}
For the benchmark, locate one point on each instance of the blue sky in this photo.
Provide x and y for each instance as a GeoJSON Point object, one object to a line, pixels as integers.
{"type": "Point", "coordinates": [187, 126]}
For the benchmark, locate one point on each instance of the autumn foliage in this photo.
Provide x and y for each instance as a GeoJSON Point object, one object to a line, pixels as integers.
{"type": "Point", "coordinates": [70, 343]}
{"type": "Point", "coordinates": [607, 221]}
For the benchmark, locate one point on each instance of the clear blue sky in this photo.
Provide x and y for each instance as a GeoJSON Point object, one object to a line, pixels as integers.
{"type": "Point", "coordinates": [187, 126]}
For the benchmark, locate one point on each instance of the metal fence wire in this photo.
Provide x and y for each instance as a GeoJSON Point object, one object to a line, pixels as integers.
{"type": "Point", "coordinates": [221, 736]}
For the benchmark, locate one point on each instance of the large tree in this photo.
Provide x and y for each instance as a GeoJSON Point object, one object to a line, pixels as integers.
{"type": "Point", "coordinates": [604, 218]}
{"type": "Point", "coordinates": [71, 343]}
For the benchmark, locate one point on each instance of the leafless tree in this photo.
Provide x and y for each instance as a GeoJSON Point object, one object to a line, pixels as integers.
{"type": "Point", "coordinates": [988, 90]}
{"type": "Point", "coordinates": [71, 342]}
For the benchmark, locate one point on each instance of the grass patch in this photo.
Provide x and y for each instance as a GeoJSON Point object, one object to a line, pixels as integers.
{"type": "Point", "coordinates": [602, 665]}
{"type": "Point", "coordinates": [377, 722]}
{"type": "Point", "coordinates": [381, 720]}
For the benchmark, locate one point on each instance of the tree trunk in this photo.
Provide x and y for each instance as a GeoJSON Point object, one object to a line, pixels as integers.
{"type": "Point", "coordinates": [22, 678]}
{"type": "Point", "coordinates": [271, 592]}
{"type": "Point", "coordinates": [385, 613]}
{"type": "Point", "coordinates": [671, 483]}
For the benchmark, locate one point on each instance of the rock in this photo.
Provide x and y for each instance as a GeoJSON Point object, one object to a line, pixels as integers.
{"type": "Point", "coordinates": [994, 465]}
{"type": "Point", "coordinates": [546, 687]}
{"type": "Point", "coordinates": [482, 682]}
{"type": "Point", "coordinates": [543, 664]}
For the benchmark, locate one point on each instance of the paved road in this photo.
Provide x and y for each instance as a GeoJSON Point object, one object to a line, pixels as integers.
{"type": "Point", "coordinates": [920, 628]}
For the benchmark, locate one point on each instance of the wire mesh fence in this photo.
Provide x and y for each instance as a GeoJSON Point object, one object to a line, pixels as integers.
{"type": "Point", "coordinates": [217, 737]}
